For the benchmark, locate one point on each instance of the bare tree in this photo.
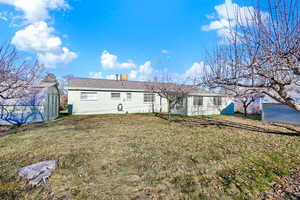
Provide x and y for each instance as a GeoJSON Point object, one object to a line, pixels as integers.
{"type": "Point", "coordinates": [62, 83]}
{"type": "Point", "coordinates": [262, 52]}
{"type": "Point", "coordinates": [17, 75]}
{"type": "Point", "coordinates": [17, 79]}
{"type": "Point", "coordinates": [244, 96]}
{"type": "Point", "coordinates": [167, 87]}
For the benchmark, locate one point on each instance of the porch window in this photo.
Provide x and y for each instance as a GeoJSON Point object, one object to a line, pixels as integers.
{"type": "Point", "coordinates": [148, 98]}
{"type": "Point", "coordinates": [217, 101]}
{"type": "Point", "coordinates": [88, 96]}
{"type": "Point", "coordinates": [198, 101]}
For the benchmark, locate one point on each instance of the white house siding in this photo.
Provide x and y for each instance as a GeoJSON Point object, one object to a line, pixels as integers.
{"type": "Point", "coordinates": [208, 107]}
{"type": "Point", "coordinates": [104, 104]}
{"type": "Point", "coordinates": [275, 112]}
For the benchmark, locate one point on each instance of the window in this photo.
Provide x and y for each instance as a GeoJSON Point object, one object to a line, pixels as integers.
{"type": "Point", "coordinates": [129, 96]}
{"type": "Point", "coordinates": [180, 102]}
{"type": "Point", "coordinates": [115, 95]}
{"type": "Point", "coordinates": [217, 101]}
{"type": "Point", "coordinates": [88, 96]}
{"type": "Point", "coordinates": [198, 101]}
{"type": "Point", "coordinates": [148, 98]}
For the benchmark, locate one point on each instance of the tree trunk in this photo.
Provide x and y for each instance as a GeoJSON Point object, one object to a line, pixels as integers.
{"type": "Point", "coordinates": [160, 109]}
{"type": "Point", "coordinates": [245, 111]}
{"type": "Point", "coordinates": [169, 110]}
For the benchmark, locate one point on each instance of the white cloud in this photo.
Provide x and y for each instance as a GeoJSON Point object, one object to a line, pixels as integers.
{"type": "Point", "coordinates": [38, 37]}
{"type": "Point", "coordinates": [219, 24]}
{"type": "Point", "coordinates": [164, 51]}
{"type": "Point", "coordinates": [95, 74]}
{"type": "Point", "coordinates": [146, 68]}
{"type": "Point", "coordinates": [133, 74]}
{"type": "Point", "coordinates": [110, 61]}
{"type": "Point", "coordinates": [228, 15]}
{"type": "Point", "coordinates": [51, 59]}
{"type": "Point", "coordinates": [146, 71]}
{"type": "Point", "coordinates": [111, 77]}
{"type": "Point", "coordinates": [195, 70]}
{"type": "Point", "coordinates": [36, 10]}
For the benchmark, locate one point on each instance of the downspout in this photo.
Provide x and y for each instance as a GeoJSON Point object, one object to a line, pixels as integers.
{"type": "Point", "coordinates": [160, 105]}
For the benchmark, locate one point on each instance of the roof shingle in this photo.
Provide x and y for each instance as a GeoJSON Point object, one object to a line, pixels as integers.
{"type": "Point", "coordinates": [117, 84]}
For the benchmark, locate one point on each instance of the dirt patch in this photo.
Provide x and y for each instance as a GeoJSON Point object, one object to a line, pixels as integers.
{"type": "Point", "coordinates": [4, 129]}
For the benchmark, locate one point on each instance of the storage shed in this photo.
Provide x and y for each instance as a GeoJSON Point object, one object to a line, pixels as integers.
{"type": "Point", "coordinates": [41, 105]}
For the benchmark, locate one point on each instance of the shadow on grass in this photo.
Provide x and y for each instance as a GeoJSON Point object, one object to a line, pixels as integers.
{"type": "Point", "coordinates": [207, 121]}
{"type": "Point", "coordinates": [12, 129]}
{"type": "Point", "coordinates": [16, 129]}
{"type": "Point", "coordinates": [256, 117]}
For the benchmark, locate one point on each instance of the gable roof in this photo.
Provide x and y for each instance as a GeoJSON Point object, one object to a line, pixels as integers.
{"type": "Point", "coordinates": [105, 84]}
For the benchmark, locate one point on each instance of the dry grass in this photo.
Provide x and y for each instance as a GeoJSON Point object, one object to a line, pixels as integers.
{"type": "Point", "coordinates": [146, 157]}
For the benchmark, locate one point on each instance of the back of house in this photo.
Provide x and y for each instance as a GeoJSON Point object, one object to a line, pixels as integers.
{"type": "Point", "coordinates": [102, 96]}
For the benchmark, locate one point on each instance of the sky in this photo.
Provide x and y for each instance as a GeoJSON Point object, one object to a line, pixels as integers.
{"type": "Point", "coordinates": [98, 38]}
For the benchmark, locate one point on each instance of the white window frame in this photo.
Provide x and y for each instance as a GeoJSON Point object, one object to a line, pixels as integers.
{"type": "Point", "coordinates": [129, 96]}
{"type": "Point", "coordinates": [148, 99]}
{"type": "Point", "coordinates": [115, 98]}
{"type": "Point", "coordinates": [88, 96]}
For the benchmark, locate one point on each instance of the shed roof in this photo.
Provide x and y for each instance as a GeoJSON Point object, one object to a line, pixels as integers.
{"type": "Point", "coordinates": [90, 83]}
{"type": "Point", "coordinates": [44, 84]}
{"type": "Point", "coordinates": [37, 91]}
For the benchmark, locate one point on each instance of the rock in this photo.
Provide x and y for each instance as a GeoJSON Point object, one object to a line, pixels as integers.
{"type": "Point", "coordinates": [38, 172]}
{"type": "Point", "coordinates": [297, 194]}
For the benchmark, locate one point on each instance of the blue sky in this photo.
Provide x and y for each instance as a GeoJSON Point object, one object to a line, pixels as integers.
{"type": "Point", "coordinates": [98, 38]}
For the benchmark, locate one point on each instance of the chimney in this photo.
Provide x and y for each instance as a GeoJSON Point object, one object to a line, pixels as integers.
{"type": "Point", "coordinates": [124, 77]}
{"type": "Point", "coordinates": [117, 77]}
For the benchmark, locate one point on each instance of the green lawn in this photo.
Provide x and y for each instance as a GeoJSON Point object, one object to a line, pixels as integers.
{"type": "Point", "coordinates": [145, 157]}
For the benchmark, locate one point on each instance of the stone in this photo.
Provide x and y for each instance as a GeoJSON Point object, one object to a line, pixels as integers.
{"type": "Point", "coordinates": [38, 172]}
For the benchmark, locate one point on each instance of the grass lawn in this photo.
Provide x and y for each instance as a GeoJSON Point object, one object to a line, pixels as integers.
{"type": "Point", "coordinates": [145, 157]}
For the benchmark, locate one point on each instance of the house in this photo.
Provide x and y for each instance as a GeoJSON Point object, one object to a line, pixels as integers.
{"type": "Point", "coordinates": [273, 111]}
{"type": "Point", "coordinates": [40, 104]}
{"type": "Point", "coordinates": [101, 96]}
